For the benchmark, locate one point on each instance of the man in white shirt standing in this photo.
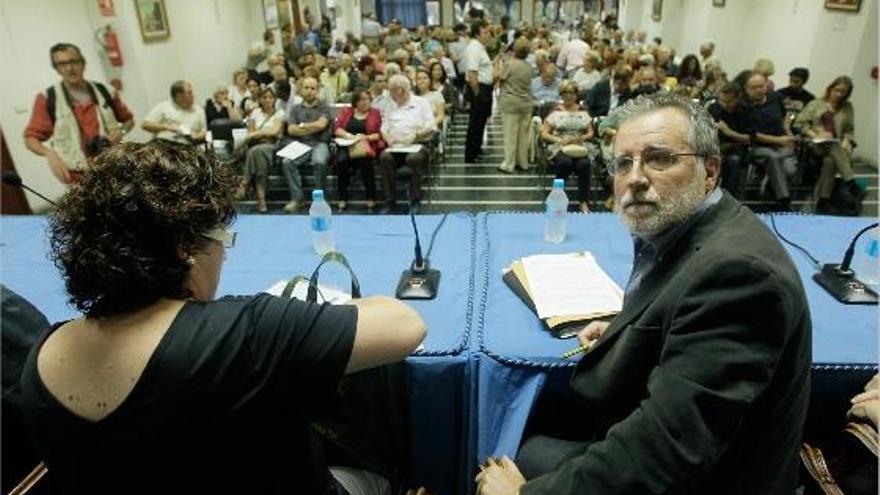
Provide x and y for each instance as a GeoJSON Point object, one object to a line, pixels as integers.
{"type": "Point", "coordinates": [177, 119]}
{"type": "Point", "coordinates": [479, 73]}
{"type": "Point", "coordinates": [571, 57]}
{"type": "Point", "coordinates": [408, 119]}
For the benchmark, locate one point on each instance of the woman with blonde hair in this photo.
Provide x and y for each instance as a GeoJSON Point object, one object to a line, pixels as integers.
{"type": "Point", "coordinates": [516, 103]}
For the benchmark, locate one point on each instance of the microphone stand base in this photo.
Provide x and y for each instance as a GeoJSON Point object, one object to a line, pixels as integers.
{"type": "Point", "coordinates": [844, 286]}
{"type": "Point", "coordinates": [418, 284]}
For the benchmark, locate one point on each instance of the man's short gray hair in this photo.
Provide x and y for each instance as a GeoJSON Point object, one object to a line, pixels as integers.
{"type": "Point", "coordinates": [399, 81]}
{"type": "Point", "coordinates": [702, 134]}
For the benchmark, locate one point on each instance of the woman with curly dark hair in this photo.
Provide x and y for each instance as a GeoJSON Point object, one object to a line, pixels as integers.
{"type": "Point", "coordinates": [160, 388]}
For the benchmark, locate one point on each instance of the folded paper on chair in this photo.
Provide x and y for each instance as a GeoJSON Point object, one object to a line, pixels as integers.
{"type": "Point", "coordinates": [566, 291]}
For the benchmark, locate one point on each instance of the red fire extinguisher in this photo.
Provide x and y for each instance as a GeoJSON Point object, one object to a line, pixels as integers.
{"type": "Point", "coordinates": [111, 47]}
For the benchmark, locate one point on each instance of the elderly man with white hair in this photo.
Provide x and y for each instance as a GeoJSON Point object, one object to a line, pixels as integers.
{"type": "Point", "coordinates": [408, 119]}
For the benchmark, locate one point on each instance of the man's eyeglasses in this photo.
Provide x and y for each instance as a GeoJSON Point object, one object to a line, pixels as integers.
{"type": "Point", "coordinates": [657, 160]}
{"type": "Point", "coordinates": [221, 235]}
{"type": "Point", "coordinates": [69, 63]}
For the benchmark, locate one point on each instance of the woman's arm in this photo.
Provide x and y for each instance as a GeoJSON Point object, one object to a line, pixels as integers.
{"type": "Point", "coordinates": [387, 331]}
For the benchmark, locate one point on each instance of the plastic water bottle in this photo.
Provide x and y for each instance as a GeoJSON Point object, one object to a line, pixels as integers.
{"type": "Point", "coordinates": [868, 262]}
{"type": "Point", "coordinates": [322, 223]}
{"type": "Point", "coordinates": [557, 208]}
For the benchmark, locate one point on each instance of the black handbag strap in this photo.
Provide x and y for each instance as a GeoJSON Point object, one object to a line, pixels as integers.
{"type": "Point", "coordinates": [332, 256]}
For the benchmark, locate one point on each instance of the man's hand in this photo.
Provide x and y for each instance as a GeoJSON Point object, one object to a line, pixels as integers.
{"type": "Point", "coordinates": [591, 333]}
{"type": "Point", "coordinates": [866, 405]}
{"type": "Point", "coordinates": [58, 168]}
{"type": "Point", "coordinates": [499, 477]}
{"type": "Point", "coordinates": [846, 144]}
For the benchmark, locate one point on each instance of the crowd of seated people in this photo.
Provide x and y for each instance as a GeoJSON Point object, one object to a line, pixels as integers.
{"type": "Point", "coordinates": [764, 132]}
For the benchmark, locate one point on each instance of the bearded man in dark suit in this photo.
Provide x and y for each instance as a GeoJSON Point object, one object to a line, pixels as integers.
{"type": "Point", "coordinates": [701, 383]}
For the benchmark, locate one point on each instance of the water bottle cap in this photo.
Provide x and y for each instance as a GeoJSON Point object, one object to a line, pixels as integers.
{"type": "Point", "coordinates": [558, 183]}
{"type": "Point", "coordinates": [318, 195]}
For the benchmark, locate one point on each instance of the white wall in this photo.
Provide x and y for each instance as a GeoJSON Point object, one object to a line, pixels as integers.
{"type": "Point", "coordinates": [209, 40]}
{"type": "Point", "coordinates": [791, 33]}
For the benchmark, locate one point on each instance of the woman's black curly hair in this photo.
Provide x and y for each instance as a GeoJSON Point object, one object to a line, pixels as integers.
{"type": "Point", "coordinates": [120, 236]}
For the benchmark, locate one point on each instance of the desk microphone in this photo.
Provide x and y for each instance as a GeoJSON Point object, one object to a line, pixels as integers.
{"type": "Point", "coordinates": [841, 282]}
{"type": "Point", "coordinates": [420, 281]}
{"type": "Point", "coordinates": [12, 178]}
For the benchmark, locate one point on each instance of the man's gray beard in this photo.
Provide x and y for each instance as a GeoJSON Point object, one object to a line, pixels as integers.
{"type": "Point", "coordinates": [670, 211]}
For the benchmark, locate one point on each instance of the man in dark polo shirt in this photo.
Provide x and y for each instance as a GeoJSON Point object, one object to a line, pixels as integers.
{"type": "Point", "coordinates": [733, 134]}
{"type": "Point", "coordinates": [794, 96]}
{"type": "Point", "coordinates": [309, 123]}
{"type": "Point", "coordinates": [771, 137]}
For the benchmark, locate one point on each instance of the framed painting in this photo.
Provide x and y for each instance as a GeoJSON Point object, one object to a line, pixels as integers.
{"type": "Point", "coordinates": [657, 10]}
{"type": "Point", "coordinates": [270, 14]}
{"type": "Point", "coordinates": [850, 5]}
{"type": "Point", "coordinates": [719, 3]}
{"type": "Point", "coordinates": [153, 19]}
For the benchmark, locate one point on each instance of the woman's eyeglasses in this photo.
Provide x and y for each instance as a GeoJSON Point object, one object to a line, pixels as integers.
{"type": "Point", "coordinates": [222, 235]}
{"type": "Point", "coordinates": [657, 160]}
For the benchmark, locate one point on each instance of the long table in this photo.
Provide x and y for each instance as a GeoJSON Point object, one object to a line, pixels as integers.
{"type": "Point", "coordinates": [487, 358]}
{"type": "Point", "coordinates": [271, 248]}
{"type": "Point", "coordinates": [517, 356]}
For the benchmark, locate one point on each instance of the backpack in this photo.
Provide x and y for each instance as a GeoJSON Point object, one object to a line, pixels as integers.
{"type": "Point", "coordinates": [51, 98]}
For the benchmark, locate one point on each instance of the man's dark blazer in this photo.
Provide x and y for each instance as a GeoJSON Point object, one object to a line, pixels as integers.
{"type": "Point", "coordinates": [700, 385]}
{"type": "Point", "coordinates": [598, 98]}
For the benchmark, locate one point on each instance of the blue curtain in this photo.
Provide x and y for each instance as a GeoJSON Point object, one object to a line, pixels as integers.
{"type": "Point", "coordinates": [410, 12]}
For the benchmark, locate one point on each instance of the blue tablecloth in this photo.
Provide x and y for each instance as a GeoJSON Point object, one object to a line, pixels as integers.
{"type": "Point", "coordinates": [518, 354]}
{"type": "Point", "coordinates": [272, 248]}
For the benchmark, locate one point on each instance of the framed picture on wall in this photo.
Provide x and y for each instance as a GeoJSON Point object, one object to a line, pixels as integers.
{"type": "Point", "coordinates": [270, 14]}
{"type": "Point", "coordinates": [850, 5]}
{"type": "Point", "coordinates": [153, 19]}
{"type": "Point", "coordinates": [657, 10]}
{"type": "Point", "coordinates": [719, 3]}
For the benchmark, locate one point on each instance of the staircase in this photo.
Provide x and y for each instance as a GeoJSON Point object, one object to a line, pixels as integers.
{"type": "Point", "coordinates": [453, 185]}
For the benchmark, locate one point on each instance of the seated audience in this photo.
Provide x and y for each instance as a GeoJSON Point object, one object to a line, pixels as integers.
{"type": "Point", "coordinates": [829, 120]}
{"type": "Point", "coordinates": [309, 123]}
{"type": "Point", "coordinates": [364, 74]}
{"type": "Point", "coordinates": [408, 119]}
{"type": "Point", "coordinates": [665, 64]}
{"type": "Point", "coordinates": [772, 140]}
{"type": "Point", "coordinates": [220, 106]}
{"type": "Point", "coordinates": [423, 89]}
{"type": "Point", "coordinates": [545, 88]}
{"type": "Point", "coordinates": [362, 122]}
{"type": "Point", "coordinates": [265, 127]}
{"type": "Point", "coordinates": [251, 98]}
{"type": "Point", "coordinates": [733, 135]}
{"type": "Point", "coordinates": [587, 76]}
{"type": "Point", "coordinates": [765, 67]}
{"type": "Point", "coordinates": [701, 383]}
{"type": "Point", "coordinates": [647, 81]}
{"type": "Point", "coordinates": [334, 82]}
{"type": "Point", "coordinates": [159, 387]}
{"type": "Point", "coordinates": [379, 92]}
{"type": "Point", "coordinates": [689, 77]}
{"type": "Point", "coordinates": [259, 52]}
{"type": "Point", "coordinates": [608, 94]}
{"type": "Point", "coordinates": [442, 84]}
{"type": "Point", "coordinates": [568, 129]}
{"type": "Point", "coordinates": [238, 90]}
{"type": "Point", "coordinates": [177, 119]}
{"type": "Point", "coordinates": [571, 56]}
{"type": "Point", "coordinates": [795, 96]}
